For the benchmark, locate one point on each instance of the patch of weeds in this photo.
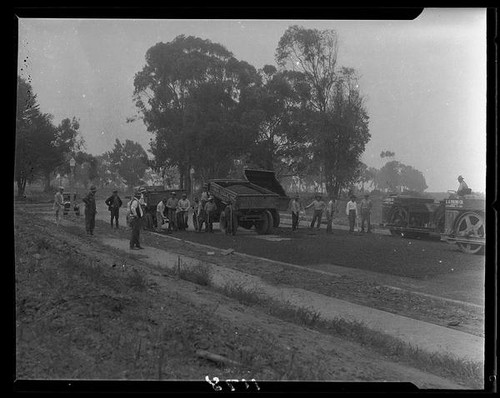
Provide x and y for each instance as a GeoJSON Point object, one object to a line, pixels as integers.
{"type": "Point", "coordinates": [464, 371]}
{"type": "Point", "coordinates": [42, 244]}
{"type": "Point", "coordinates": [242, 295]}
{"type": "Point", "coordinates": [299, 315]}
{"type": "Point", "coordinates": [137, 281]}
{"type": "Point", "coordinates": [198, 274]}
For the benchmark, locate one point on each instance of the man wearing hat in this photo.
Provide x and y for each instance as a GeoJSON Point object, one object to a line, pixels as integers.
{"type": "Point", "coordinates": [366, 209]}
{"type": "Point", "coordinates": [351, 211]}
{"type": "Point", "coordinates": [462, 187]}
{"type": "Point", "coordinates": [171, 211]}
{"type": "Point", "coordinates": [90, 210]}
{"type": "Point", "coordinates": [114, 203]}
{"type": "Point", "coordinates": [183, 206]}
{"type": "Point", "coordinates": [160, 213]}
{"type": "Point", "coordinates": [135, 218]}
{"type": "Point", "coordinates": [318, 206]}
{"type": "Point", "coordinates": [59, 203]}
{"type": "Point", "coordinates": [210, 209]}
{"type": "Point", "coordinates": [295, 209]}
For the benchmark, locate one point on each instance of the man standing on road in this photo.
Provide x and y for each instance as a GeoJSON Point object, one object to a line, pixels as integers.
{"type": "Point", "coordinates": [160, 213]}
{"type": "Point", "coordinates": [114, 203]}
{"type": "Point", "coordinates": [366, 209]}
{"type": "Point", "coordinates": [295, 209]}
{"type": "Point", "coordinates": [90, 210]}
{"type": "Point", "coordinates": [210, 208]}
{"type": "Point", "coordinates": [196, 209]}
{"type": "Point", "coordinates": [135, 217]}
{"type": "Point", "coordinates": [351, 211]}
{"type": "Point", "coordinates": [318, 206]}
{"type": "Point", "coordinates": [59, 203]}
{"type": "Point", "coordinates": [183, 206]}
{"type": "Point", "coordinates": [172, 209]}
{"type": "Point", "coordinates": [330, 211]}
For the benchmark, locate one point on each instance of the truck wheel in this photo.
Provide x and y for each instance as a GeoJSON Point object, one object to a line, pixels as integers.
{"type": "Point", "coordinates": [270, 228]}
{"type": "Point", "coordinates": [246, 224]}
{"type": "Point", "coordinates": [276, 218]}
{"type": "Point", "coordinates": [262, 226]}
{"type": "Point", "coordinates": [222, 222]}
{"type": "Point", "coordinates": [470, 224]}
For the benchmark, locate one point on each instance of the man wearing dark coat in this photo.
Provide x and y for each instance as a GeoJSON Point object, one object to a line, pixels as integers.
{"type": "Point", "coordinates": [114, 203]}
{"type": "Point", "coordinates": [90, 210]}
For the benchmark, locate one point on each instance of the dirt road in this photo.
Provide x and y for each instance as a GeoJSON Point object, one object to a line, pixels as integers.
{"type": "Point", "coordinates": [366, 365]}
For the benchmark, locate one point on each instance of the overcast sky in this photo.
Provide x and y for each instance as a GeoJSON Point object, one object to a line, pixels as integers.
{"type": "Point", "coordinates": [424, 80]}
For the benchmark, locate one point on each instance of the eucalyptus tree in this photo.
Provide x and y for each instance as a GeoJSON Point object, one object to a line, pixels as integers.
{"type": "Point", "coordinates": [187, 95]}
{"type": "Point", "coordinates": [337, 122]}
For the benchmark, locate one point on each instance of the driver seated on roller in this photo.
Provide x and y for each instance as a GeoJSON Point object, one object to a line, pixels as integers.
{"type": "Point", "coordinates": [463, 189]}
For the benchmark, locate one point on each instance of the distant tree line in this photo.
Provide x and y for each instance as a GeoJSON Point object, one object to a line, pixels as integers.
{"type": "Point", "coordinates": [212, 115]}
{"type": "Point", "coordinates": [44, 150]}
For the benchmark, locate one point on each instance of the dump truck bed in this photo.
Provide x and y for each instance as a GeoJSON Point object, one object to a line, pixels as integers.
{"type": "Point", "coordinates": [244, 194]}
{"type": "Point", "coordinates": [267, 179]}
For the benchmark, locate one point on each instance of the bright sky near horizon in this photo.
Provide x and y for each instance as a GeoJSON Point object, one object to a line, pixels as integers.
{"type": "Point", "coordinates": [424, 80]}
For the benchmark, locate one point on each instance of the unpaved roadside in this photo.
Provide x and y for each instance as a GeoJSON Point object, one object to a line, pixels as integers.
{"type": "Point", "coordinates": [169, 307]}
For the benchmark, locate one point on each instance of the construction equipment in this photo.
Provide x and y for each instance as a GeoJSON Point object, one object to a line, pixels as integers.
{"type": "Point", "coordinates": [406, 215]}
{"type": "Point", "coordinates": [465, 222]}
{"type": "Point", "coordinates": [257, 200]}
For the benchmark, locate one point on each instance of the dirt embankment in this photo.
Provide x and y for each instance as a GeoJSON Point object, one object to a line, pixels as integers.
{"type": "Point", "coordinates": [85, 311]}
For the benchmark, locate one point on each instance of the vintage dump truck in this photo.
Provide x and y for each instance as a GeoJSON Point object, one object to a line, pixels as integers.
{"type": "Point", "coordinates": [465, 222]}
{"type": "Point", "coordinates": [257, 200]}
{"type": "Point", "coordinates": [413, 215]}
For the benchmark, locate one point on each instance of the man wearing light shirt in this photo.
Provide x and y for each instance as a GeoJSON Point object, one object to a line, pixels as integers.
{"type": "Point", "coordinates": [136, 214]}
{"type": "Point", "coordinates": [351, 211]}
{"type": "Point", "coordinates": [295, 209]}
{"type": "Point", "coordinates": [59, 203]}
{"type": "Point", "coordinates": [183, 206]}
{"type": "Point", "coordinates": [318, 206]}
{"type": "Point", "coordinates": [160, 213]}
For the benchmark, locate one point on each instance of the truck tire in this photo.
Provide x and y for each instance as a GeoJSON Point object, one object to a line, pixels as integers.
{"type": "Point", "coordinates": [270, 228]}
{"type": "Point", "coordinates": [262, 226]}
{"type": "Point", "coordinates": [276, 218]}
{"type": "Point", "coordinates": [246, 224]}
{"type": "Point", "coordinates": [222, 222]}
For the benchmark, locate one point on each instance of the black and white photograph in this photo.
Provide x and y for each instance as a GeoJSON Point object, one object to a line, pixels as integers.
{"type": "Point", "coordinates": [237, 201]}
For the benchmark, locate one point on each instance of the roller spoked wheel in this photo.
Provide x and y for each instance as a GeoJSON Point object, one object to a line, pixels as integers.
{"type": "Point", "coordinates": [470, 225]}
{"type": "Point", "coordinates": [399, 217]}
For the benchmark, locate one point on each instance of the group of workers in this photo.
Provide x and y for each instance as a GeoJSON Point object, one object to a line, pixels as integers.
{"type": "Point", "coordinates": [172, 214]}
{"type": "Point", "coordinates": [319, 207]}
